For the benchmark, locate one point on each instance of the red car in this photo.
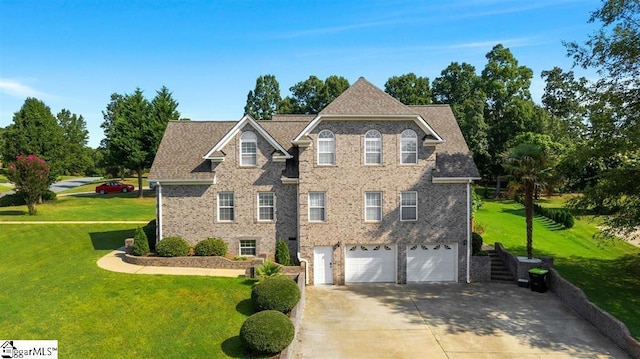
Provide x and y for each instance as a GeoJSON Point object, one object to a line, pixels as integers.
{"type": "Point", "coordinates": [114, 187]}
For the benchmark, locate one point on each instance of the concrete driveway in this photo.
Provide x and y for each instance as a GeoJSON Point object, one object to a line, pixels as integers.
{"type": "Point", "coordinates": [488, 320]}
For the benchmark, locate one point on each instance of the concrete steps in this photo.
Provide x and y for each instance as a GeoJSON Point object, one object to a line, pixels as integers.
{"type": "Point", "coordinates": [499, 271]}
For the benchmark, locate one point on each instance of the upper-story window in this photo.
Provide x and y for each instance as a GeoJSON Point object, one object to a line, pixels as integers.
{"type": "Point", "coordinates": [266, 206]}
{"type": "Point", "coordinates": [409, 206]}
{"type": "Point", "coordinates": [373, 148]}
{"type": "Point", "coordinates": [326, 148]}
{"type": "Point", "coordinates": [408, 147]}
{"type": "Point", "coordinates": [248, 149]}
{"type": "Point", "coordinates": [316, 206]}
{"type": "Point", "coordinates": [373, 206]}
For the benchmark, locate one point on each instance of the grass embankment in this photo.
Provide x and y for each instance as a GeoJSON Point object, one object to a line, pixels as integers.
{"type": "Point", "coordinates": [607, 271]}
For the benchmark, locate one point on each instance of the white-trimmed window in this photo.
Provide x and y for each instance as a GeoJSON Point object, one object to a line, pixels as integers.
{"type": "Point", "coordinates": [226, 207]}
{"type": "Point", "coordinates": [247, 247]}
{"type": "Point", "coordinates": [408, 147]}
{"type": "Point", "coordinates": [248, 149]}
{"type": "Point", "coordinates": [409, 206]}
{"type": "Point", "coordinates": [316, 206]}
{"type": "Point", "coordinates": [326, 148]}
{"type": "Point", "coordinates": [373, 206]}
{"type": "Point", "coordinates": [373, 148]}
{"type": "Point", "coordinates": [266, 206]}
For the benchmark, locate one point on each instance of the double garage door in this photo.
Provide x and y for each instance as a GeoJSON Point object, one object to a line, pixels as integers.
{"type": "Point", "coordinates": [377, 263]}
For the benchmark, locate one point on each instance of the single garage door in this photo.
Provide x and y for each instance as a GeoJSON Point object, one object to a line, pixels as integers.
{"type": "Point", "coordinates": [370, 263]}
{"type": "Point", "coordinates": [432, 262]}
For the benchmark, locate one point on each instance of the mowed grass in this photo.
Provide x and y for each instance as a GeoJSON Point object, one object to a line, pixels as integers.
{"type": "Point", "coordinates": [53, 289]}
{"type": "Point", "coordinates": [88, 207]}
{"type": "Point", "coordinates": [607, 271]}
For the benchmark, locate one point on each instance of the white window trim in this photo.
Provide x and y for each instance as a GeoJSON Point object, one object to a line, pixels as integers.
{"type": "Point", "coordinates": [402, 140]}
{"type": "Point", "coordinates": [372, 139]}
{"type": "Point", "coordinates": [377, 207]}
{"type": "Point", "coordinates": [324, 208]}
{"type": "Point", "coordinates": [252, 139]}
{"type": "Point", "coordinates": [255, 247]}
{"type": "Point", "coordinates": [232, 207]}
{"type": "Point", "coordinates": [406, 206]}
{"type": "Point", "coordinates": [333, 145]}
{"type": "Point", "coordinates": [273, 195]}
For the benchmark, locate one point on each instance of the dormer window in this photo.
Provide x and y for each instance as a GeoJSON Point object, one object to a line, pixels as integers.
{"type": "Point", "coordinates": [408, 147]}
{"type": "Point", "coordinates": [326, 148]}
{"type": "Point", "coordinates": [248, 149]}
{"type": "Point", "coordinates": [373, 148]}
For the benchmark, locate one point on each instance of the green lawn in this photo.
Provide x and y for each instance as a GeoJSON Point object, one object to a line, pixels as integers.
{"type": "Point", "coordinates": [53, 289]}
{"type": "Point", "coordinates": [90, 207]}
{"type": "Point", "coordinates": [608, 271]}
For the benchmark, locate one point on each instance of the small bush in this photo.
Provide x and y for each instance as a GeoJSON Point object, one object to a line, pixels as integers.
{"type": "Point", "coordinates": [211, 247]}
{"type": "Point", "coordinates": [267, 332]}
{"type": "Point", "coordinates": [150, 231]}
{"type": "Point", "coordinates": [140, 243]}
{"type": "Point", "coordinates": [49, 196]}
{"type": "Point", "coordinates": [172, 247]}
{"type": "Point", "coordinates": [275, 293]}
{"type": "Point", "coordinates": [11, 200]}
{"type": "Point", "coordinates": [282, 253]}
{"type": "Point", "coordinates": [476, 243]}
{"type": "Point", "coordinates": [268, 269]}
{"type": "Point", "coordinates": [240, 258]}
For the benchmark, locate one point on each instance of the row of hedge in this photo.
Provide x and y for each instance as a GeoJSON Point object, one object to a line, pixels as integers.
{"type": "Point", "coordinates": [177, 246]}
{"type": "Point", "coordinates": [270, 331]}
{"type": "Point", "coordinates": [559, 215]}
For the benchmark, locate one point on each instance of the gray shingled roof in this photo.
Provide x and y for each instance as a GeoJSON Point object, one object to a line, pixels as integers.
{"type": "Point", "coordinates": [363, 98]}
{"type": "Point", "coordinates": [453, 158]}
{"type": "Point", "coordinates": [179, 156]}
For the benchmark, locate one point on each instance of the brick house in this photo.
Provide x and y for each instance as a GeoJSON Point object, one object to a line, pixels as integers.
{"type": "Point", "coordinates": [368, 190]}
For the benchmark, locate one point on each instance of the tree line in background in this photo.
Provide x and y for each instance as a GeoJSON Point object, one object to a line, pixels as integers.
{"type": "Point", "coordinates": [584, 136]}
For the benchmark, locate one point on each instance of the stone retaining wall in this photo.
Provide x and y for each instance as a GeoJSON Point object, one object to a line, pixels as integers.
{"type": "Point", "coordinates": [575, 298]}
{"type": "Point", "coordinates": [296, 316]}
{"type": "Point", "coordinates": [480, 269]}
{"type": "Point", "coordinates": [192, 261]}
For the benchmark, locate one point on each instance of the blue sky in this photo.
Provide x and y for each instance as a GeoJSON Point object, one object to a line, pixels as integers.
{"type": "Point", "coordinates": [74, 54]}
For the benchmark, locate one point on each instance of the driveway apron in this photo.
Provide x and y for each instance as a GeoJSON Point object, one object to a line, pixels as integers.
{"type": "Point", "coordinates": [481, 320]}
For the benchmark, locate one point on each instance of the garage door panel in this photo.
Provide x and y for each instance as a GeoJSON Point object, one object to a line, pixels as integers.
{"type": "Point", "coordinates": [431, 263]}
{"type": "Point", "coordinates": [370, 263]}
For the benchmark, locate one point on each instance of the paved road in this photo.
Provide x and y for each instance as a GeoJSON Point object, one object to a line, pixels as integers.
{"type": "Point", "coordinates": [66, 184]}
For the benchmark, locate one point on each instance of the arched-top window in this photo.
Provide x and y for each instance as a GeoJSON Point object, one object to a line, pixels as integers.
{"type": "Point", "coordinates": [248, 149]}
{"type": "Point", "coordinates": [326, 148]}
{"type": "Point", "coordinates": [373, 148]}
{"type": "Point", "coordinates": [408, 147]}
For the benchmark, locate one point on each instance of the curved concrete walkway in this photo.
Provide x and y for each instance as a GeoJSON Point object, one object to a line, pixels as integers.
{"type": "Point", "coordinates": [114, 262]}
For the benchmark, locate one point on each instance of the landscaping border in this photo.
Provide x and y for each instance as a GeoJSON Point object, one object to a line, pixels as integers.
{"type": "Point", "coordinates": [192, 262]}
{"type": "Point", "coordinates": [296, 317]}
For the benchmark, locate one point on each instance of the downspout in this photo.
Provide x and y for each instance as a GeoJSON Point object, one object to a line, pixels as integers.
{"type": "Point", "coordinates": [300, 259]}
{"type": "Point", "coordinates": [469, 231]}
{"type": "Point", "coordinates": [159, 202]}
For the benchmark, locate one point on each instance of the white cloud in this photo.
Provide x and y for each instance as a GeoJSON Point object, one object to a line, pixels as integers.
{"type": "Point", "coordinates": [16, 89]}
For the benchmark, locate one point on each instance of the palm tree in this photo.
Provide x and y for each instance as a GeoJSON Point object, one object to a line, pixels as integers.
{"type": "Point", "coordinates": [528, 164]}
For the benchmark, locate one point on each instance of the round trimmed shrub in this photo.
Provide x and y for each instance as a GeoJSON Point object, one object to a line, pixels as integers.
{"type": "Point", "coordinates": [267, 332]}
{"type": "Point", "coordinates": [49, 195]}
{"type": "Point", "coordinates": [172, 247]}
{"type": "Point", "coordinates": [275, 293]}
{"type": "Point", "coordinates": [211, 247]}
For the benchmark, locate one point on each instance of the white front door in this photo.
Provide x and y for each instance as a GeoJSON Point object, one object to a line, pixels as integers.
{"type": "Point", "coordinates": [323, 265]}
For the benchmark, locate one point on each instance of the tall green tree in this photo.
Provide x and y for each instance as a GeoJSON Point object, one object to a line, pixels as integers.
{"type": "Point", "coordinates": [313, 94]}
{"type": "Point", "coordinates": [526, 163]}
{"type": "Point", "coordinates": [164, 108]}
{"type": "Point", "coordinates": [77, 156]}
{"type": "Point", "coordinates": [564, 99]}
{"type": "Point", "coordinates": [509, 109]}
{"type": "Point", "coordinates": [262, 102]}
{"type": "Point", "coordinates": [460, 87]}
{"type": "Point", "coordinates": [409, 89]}
{"type": "Point", "coordinates": [35, 131]}
{"type": "Point", "coordinates": [613, 138]}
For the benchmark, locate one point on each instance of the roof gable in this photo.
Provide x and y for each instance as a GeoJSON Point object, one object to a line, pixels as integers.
{"type": "Point", "coordinates": [246, 120]}
{"type": "Point", "coordinates": [365, 101]}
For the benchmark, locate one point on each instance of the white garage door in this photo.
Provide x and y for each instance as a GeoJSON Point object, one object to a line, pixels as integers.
{"type": "Point", "coordinates": [370, 263]}
{"type": "Point", "coordinates": [432, 262]}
